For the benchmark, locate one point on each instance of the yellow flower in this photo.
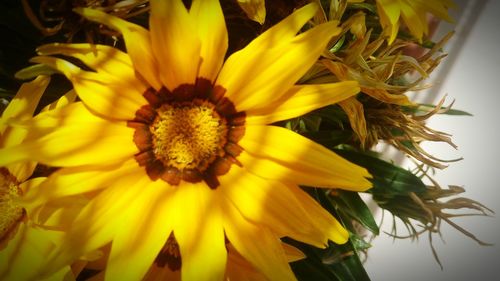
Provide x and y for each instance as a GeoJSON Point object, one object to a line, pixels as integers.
{"type": "Point", "coordinates": [22, 244]}
{"type": "Point", "coordinates": [170, 139]}
{"type": "Point", "coordinates": [413, 13]}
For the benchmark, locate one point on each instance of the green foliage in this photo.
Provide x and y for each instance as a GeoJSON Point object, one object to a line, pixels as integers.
{"type": "Point", "coordinates": [350, 206]}
{"type": "Point", "coordinates": [336, 262]}
{"type": "Point", "coordinates": [425, 108]}
{"type": "Point", "coordinates": [338, 45]}
{"type": "Point", "coordinates": [388, 179]}
{"type": "Point", "coordinates": [330, 138]}
{"type": "Point", "coordinates": [372, 8]}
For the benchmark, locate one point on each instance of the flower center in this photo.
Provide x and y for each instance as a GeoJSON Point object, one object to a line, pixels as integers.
{"type": "Point", "coordinates": [188, 135]}
{"type": "Point", "coordinates": [10, 212]}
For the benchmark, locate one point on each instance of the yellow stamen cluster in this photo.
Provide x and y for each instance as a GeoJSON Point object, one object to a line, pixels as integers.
{"type": "Point", "coordinates": [10, 211]}
{"type": "Point", "coordinates": [188, 135]}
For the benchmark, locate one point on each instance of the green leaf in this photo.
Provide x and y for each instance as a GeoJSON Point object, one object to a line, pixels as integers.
{"type": "Point", "coordinates": [426, 108]}
{"type": "Point", "coordinates": [350, 267]}
{"type": "Point", "coordinates": [312, 122]}
{"type": "Point", "coordinates": [333, 114]}
{"type": "Point", "coordinates": [450, 111]}
{"type": "Point", "coordinates": [338, 45]}
{"type": "Point", "coordinates": [366, 6]}
{"type": "Point", "coordinates": [355, 208]}
{"type": "Point", "coordinates": [388, 179]}
{"type": "Point", "coordinates": [336, 262]}
{"type": "Point", "coordinates": [359, 243]}
{"type": "Point", "coordinates": [329, 138]}
{"type": "Point", "coordinates": [311, 268]}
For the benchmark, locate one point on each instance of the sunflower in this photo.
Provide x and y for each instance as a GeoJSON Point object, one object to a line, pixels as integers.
{"type": "Point", "coordinates": [22, 243]}
{"type": "Point", "coordinates": [171, 140]}
{"type": "Point", "coordinates": [413, 13]}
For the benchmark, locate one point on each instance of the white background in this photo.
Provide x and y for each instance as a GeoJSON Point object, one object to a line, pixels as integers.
{"type": "Point", "coordinates": [471, 76]}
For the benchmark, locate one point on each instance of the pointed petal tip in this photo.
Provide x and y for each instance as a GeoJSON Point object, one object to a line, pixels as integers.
{"type": "Point", "coordinates": [339, 240]}
{"type": "Point", "coordinates": [312, 7]}
{"type": "Point", "coordinates": [99, 16]}
{"type": "Point", "coordinates": [337, 234]}
{"type": "Point", "coordinates": [87, 13]}
{"type": "Point", "coordinates": [79, 10]}
{"type": "Point", "coordinates": [49, 49]}
{"type": "Point", "coordinates": [365, 183]}
{"type": "Point", "coordinates": [84, 11]}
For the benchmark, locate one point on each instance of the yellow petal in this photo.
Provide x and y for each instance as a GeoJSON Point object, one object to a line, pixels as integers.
{"type": "Point", "coordinates": [99, 221]}
{"type": "Point", "coordinates": [199, 232]}
{"type": "Point", "coordinates": [238, 268]}
{"type": "Point", "coordinates": [32, 183]}
{"type": "Point", "coordinates": [258, 245]}
{"type": "Point", "coordinates": [390, 8]}
{"type": "Point", "coordinates": [58, 214]}
{"type": "Point", "coordinates": [12, 137]}
{"type": "Point", "coordinates": [355, 112]}
{"type": "Point", "coordinates": [145, 228]}
{"type": "Point", "coordinates": [301, 99]}
{"type": "Point", "coordinates": [68, 98]}
{"type": "Point", "coordinates": [389, 12]}
{"type": "Point", "coordinates": [392, 32]}
{"type": "Point", "coordinates": [292, 253]}
{"type": "Point", "coordinates": [255, 78]}
{"type": "Point", "coordinates": [413, 21]}
{"type": "Point", "coordinates": [21, 107]}
{"type": "Point", "coordinates": [83, 143]}
{"type": "Point", "coordinates": [322, 218]}
{"type": "Point", "coordinates": [282, 32]}
{"type": "Point", "coordinates": [254, 9]}
{"type": "Point", "coordinates": [44, 122]}
{"type": "Point", "coordinates": [65, 274]}
{"type": "Point", "coordinates": [112, 96]}
{"type": "Point", "coordinates": [209, 22]}
{"type": "Point", "coordinates": [137, 41]}
{"type": "Point", "coordinates": [272, 204]}
{"type": "Point", "coordinates": [280, 154]}
{"type": "Point", "coordinates": [100, 58]}
{"type": "Point", "coordinates": [26, 253]}
{"type": "Point", "coordinates": [175, 43]}
{"type": "Point", "coordinates": [24, 103]}
{"type": "Point", "coordinates": [76, 180]}
{"type": "Point", "coordinates": [24, 170]}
